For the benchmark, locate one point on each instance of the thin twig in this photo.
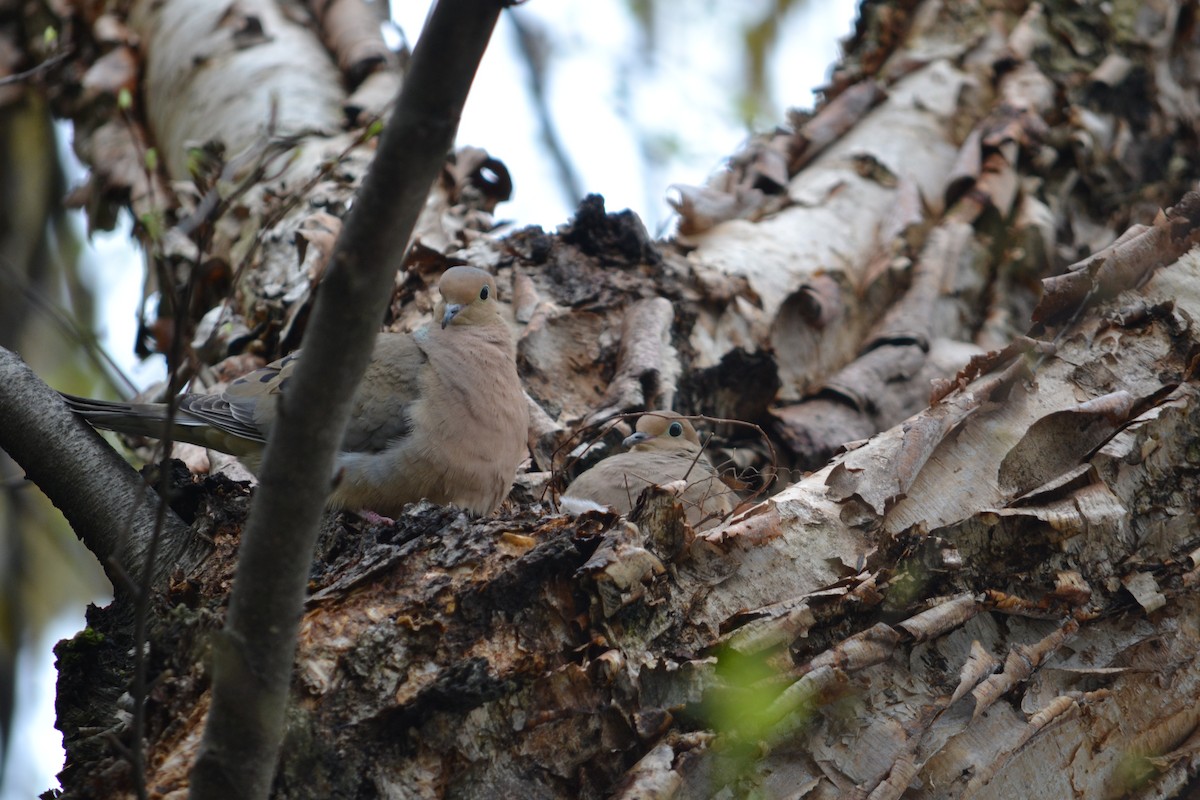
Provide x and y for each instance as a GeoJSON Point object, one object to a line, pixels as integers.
{"type": "Point", "coordinates": [269, 222]}
{"type": "Point", "coordinates": [32, 72]}
{"type": "Point", "coordinates": [68, 325]}
{"type": "Point", "coordinates": [175, 355]}
{"type": "Point", "coordinates": [586, 434]}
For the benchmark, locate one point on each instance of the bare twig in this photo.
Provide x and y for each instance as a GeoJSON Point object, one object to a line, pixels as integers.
{"type": "Point", "coordinates": [221, 205]}
{"type": "Point", "coordinates": [69, 326]}
{"type": "Point", "coordinates": [594, 431]}
{"type": "Point", "coordinates": [145, 590]}
{"type": "Point", "coordinates": [33, 72]}
{"type": "Point", "coordinates": [252, 657]}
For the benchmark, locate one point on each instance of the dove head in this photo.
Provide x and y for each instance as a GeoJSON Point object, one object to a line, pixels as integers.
{"type": "Point", "coordinates": [663, 430]}
{"type": "Point", "coordinates": [468, 296]}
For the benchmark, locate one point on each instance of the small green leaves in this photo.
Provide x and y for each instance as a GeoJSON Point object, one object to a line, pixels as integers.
{"type": "Point", "coordinates": [152, 222]}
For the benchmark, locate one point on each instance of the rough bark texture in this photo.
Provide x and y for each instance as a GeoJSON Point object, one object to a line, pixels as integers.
{"type": "Point", "coordinates": [994, 597]}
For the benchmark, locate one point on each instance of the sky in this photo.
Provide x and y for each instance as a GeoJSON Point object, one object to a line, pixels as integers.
{"type": "Point", "coordinates": [614, 97]}
{"type": "Point", "coordinates": [633, 120]}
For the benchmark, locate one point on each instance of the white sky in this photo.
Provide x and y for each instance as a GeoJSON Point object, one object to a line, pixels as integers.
{"type": "Point", "coordinates": [603, 91]}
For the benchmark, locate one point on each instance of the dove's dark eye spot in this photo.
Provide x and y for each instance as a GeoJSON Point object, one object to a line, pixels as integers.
{"type": "Point", "coordinates": [676, 429]}
{"type": "Point", "coordinates": [483, 293]}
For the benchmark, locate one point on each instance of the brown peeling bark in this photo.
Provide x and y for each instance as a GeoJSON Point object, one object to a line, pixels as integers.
{"type": "Point", "coordinates": [1124, 265]}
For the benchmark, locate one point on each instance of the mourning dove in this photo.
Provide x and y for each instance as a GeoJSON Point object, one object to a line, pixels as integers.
{"type": "Point", "coordinates": [664, 448]}
{"type": "Point", "coordinates": [439, 413]}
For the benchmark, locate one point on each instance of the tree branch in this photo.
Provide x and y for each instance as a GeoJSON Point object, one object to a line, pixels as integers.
{"type": "Point", "coordinates": [109, 506]}
{"type": "Point", "coordinates": [253, 656]}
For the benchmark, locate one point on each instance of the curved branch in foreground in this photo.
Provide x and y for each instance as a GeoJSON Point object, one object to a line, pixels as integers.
{"type": "Point", "coordinates": [252, 657]}
{"type": "Point", "coordinates": [106, 502]}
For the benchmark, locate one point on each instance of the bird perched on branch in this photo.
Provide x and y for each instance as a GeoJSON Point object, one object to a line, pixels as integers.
{"type": "Point", "coordinates": [665, 448]}
{"type": "Point", "coordinates": [439, 413]}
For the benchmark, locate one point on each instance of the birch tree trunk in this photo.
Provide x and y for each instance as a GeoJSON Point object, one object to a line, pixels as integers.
{"type": "Point", "coordinates": [963, 293]}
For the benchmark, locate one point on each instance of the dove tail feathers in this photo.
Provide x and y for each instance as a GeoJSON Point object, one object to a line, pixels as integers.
{"type": "Point", "coordinates": [150, 420]}
{"type": "Point", "coordinates": [136, 419]}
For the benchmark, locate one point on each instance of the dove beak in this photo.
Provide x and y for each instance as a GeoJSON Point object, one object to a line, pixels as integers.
{"type": "Point", "coordinates": [635, 438]}
{"type": "Point", "coordinates": [452, 310]}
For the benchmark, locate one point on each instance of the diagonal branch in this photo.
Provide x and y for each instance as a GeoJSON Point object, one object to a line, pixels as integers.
{"type": "Point", "coordinates": [106, 502]}
{"type": "Point", "coordinates": [253, 656]}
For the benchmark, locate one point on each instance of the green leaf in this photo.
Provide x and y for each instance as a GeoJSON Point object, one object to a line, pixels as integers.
{"type": "Point", "coordinates": [153, 224]}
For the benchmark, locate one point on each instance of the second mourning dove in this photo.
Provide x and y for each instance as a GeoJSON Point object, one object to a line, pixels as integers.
{"type": "Point", "coordinates": [439, 413]}
{"type": "Point", "coordinates": [664, 448]}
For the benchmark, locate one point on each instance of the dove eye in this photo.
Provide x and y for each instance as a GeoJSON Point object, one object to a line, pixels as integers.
{"type": "Point", "coordinates": [676, 429]}
{"type": "Point", "coordinates": [483, 293]}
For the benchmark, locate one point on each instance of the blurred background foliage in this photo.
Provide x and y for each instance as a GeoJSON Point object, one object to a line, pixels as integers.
{"type": "Point", "coordinates": [47, 315]}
